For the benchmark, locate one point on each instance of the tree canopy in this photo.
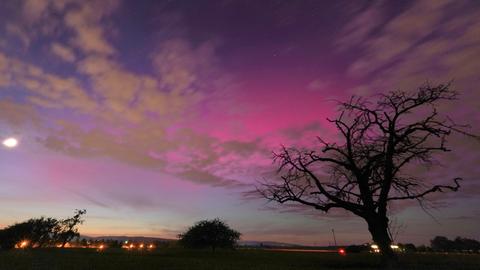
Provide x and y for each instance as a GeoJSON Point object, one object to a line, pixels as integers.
{"type": "Point", "coordinates": [213, 233]}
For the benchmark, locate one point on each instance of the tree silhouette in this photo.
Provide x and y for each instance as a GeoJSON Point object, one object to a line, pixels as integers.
{"type": "Point", "coordinates": [69, 228]}
{"type": "Point", "coordinates": [209, 233]}
{"type": "Point", "coordinates": [39, 232]}
{"type": "Point", "coordinates": [441, 243]}
{"type": "Point", "coordinates": [367, 168]}
{"type": "Point", "coordinates": [42, 232]}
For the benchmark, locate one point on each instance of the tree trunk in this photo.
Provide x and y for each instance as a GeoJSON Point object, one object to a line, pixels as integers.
{"type": "Point", "coordinates": [378, 227]}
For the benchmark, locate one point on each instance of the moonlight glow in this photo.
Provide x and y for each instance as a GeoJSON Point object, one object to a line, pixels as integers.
{"type": "Point", "coordinates": [10, 142]}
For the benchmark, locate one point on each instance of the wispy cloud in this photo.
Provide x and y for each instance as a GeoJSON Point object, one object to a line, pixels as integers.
{"type": "Point", "coordinates": [64, 52]}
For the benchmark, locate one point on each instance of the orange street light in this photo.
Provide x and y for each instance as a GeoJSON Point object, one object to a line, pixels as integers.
{"type": "Point", "coordinates": [24, 244]}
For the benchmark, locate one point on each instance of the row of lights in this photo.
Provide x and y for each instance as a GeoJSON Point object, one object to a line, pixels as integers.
{"type": "Point", "coordinates": [374, 247]}
{"type": "Point", "coordinates": [24, 244]}
{"type": "Point", "coordinates": [131, 246]}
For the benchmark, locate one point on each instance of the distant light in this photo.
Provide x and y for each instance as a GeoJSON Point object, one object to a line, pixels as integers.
{"type": "Point", "coordinates": [101, 247]}
{"type": "Point", "coordinates": [10, 142]}
{"type": "Point", "coordinates": [132, 246]}
{"type": "Point", "coordinates": [375, 248]}
{"type": "Point", "coordinates": [150, 246]}
{"type": "Point", "coordinates": [141, 246]}
{"type": "Point", "coordinates": [24, 244]}
{"type": "Point", "coordinates": [342, 251]}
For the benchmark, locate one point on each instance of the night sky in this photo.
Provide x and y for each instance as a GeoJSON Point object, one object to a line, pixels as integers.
{"type": "Point", "coordinates": [155, 114]}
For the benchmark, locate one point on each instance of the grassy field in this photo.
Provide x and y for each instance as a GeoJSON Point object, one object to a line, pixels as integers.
{"type": "Point", "coordinates": [172, 259]}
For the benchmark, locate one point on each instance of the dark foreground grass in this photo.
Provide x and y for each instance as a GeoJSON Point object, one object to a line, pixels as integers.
{"type": "Point", "coordinates": [172, 259]}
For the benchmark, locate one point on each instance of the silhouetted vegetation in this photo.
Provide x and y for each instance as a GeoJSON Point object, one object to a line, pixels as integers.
{"type": "Point", "coordinates": [459, 244]}
{"type": "Point", "coordinates": [358, 248]}
{"type": "Point", "coordinates": [41, 232]}
{"type": "Point", "coordinates": [408, 247]}
{"type": "Point", "coordinates": [369, 166]}
{"type": "Point", "coordinates": [213, 233]}
{"type": "Point", "coordinates": [69, 227]}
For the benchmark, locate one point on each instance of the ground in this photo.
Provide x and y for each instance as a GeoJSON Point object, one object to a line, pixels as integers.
{"type": "Point", "coordinates": [178, 259]}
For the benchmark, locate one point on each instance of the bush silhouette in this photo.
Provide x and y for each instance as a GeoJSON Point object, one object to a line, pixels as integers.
{"type": "Point", "coordinates": [213, 233]}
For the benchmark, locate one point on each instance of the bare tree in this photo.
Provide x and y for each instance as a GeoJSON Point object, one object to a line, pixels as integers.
{"type": "Point", "coordinates": [365, 169]}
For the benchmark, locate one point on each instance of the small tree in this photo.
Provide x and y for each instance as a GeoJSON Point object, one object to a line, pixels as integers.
{"type": "Point", "coordinates": [368, 167]}
{"type": "Point", "coordinates": [69, 228]}
{"type": "Point", "coordinates": [442, 243]}
{"type": "Point", "coordinates": [213, 233]}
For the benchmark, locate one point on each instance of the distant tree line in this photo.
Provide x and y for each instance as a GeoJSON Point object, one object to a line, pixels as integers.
{"type": "Point", "coordinates": [42, 232]}
{"type": "Point", "coordinates": [437, 244]}
{"type": "Point", "coordinates": [111, 243]}
{"type": "Point", "coordinates": [459, 244]}
{"type": "Point", "coordinates": [115, 243]}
